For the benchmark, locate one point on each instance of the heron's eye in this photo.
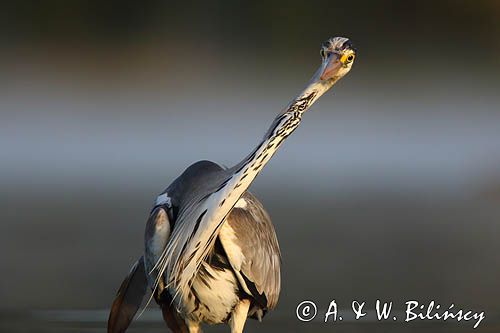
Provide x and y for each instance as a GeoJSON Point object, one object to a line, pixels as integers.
{"type": "Point", "coordinates": [350, 58]}
{"type": "Point", "coordinates": [323, 53]}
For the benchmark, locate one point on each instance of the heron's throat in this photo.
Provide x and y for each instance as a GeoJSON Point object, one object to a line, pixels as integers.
{"type": "Point", "coordinates": [289, 119]}
{"type": "Point", "coordinates": [314, 90]}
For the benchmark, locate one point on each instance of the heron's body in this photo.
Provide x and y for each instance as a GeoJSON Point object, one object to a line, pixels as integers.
{"type": "Point", "coordinates": [211, 253]}
{"type": "Point", "coordinates": [244, 263]}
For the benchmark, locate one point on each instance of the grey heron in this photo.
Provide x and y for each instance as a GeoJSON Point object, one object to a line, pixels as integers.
{"type": "Point", "coordinates": [211, 253]}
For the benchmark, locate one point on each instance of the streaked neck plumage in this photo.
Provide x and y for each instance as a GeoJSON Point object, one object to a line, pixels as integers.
{"type": "Point", "coordinates": [283, 125]}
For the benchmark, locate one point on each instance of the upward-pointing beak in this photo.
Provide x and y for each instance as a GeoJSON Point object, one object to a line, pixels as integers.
{"type": "Point", "coordinates": [332, 67]}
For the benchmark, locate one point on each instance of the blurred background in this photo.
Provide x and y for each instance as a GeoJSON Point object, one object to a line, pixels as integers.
{"type": "Point", "coordinates": [390, 189]}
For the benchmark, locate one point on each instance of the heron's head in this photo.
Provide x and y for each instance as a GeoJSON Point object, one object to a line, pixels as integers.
{"type": "Point", "coordinates": [338, 55]}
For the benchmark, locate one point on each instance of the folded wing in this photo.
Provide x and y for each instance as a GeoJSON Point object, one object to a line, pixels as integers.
{"type": "Point", "coordinates": [128, 299]}
{"type": "Point", "coordinates": [250, 242]}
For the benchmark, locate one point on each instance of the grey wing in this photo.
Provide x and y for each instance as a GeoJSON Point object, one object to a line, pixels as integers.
{"type": "Point", "coordinates": [128, 299]}
{"type": "Point", "coordinates": [133, 288]}
{"type": "Point", "coordinates": [250, 242]}
{"type": "Point", "coordinates": [156, 237]}
{"type": "Point", "coordinates": [157, 233]}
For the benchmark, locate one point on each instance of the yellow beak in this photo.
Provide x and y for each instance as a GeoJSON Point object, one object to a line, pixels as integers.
{"type": "Point", "coordinates": [332, 67]}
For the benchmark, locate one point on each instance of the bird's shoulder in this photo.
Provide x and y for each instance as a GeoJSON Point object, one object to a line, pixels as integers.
{"type": "Point", "coordinates": [195, 179]}
{"type": "Point", "coordinates": [192, 180]}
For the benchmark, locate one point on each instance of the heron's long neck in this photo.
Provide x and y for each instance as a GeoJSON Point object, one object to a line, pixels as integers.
{"type": "Point", "coordinates": [219, 203]}
{"type": "Point", "coordinates": [283, 125]}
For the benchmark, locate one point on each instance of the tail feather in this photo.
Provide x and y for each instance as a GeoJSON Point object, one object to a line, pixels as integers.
{"type": "Point", "coordinates": [128, 299]}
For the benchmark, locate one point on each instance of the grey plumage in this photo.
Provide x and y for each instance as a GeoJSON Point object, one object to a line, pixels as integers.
{"type": "Point", "coordinates": [252, 228]}
{"type": "Point", "coordinates": [128, 299]}
{"type": "Point", "coordinates": [256, 238]}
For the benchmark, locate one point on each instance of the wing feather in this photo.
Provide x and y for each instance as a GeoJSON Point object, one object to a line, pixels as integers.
{"type": "Point", "coordinates": [252, 247]}
{"type": "Point", "coordinates": [128, 299]}
{"type": "Point", "coordinates": [208, 198]}
{"type": "Point", "coordinates": [156, 237]}
{"type": "Point", "coordinates": [197, 226]}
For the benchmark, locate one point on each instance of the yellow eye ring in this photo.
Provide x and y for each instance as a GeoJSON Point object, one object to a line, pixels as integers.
{"type": "Point", "coordinates": [347, 58]}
